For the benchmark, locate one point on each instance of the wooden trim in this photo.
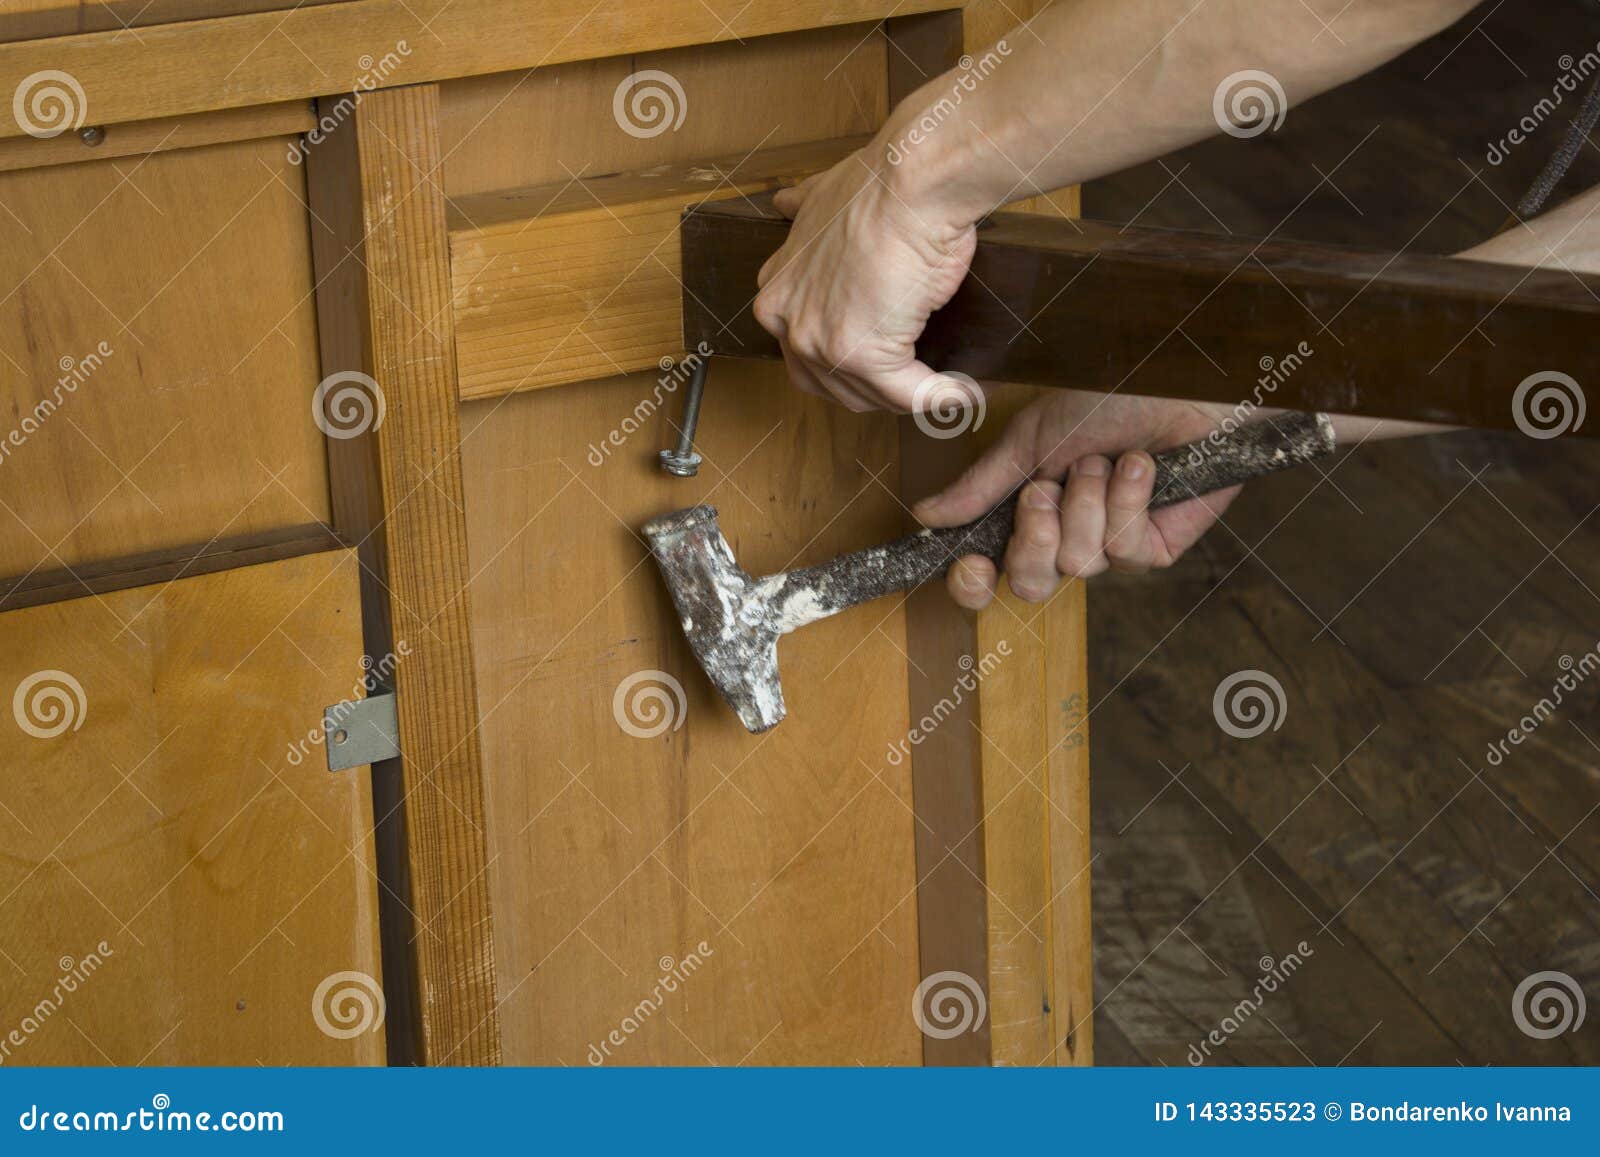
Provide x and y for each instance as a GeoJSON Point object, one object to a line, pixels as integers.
{"type": "Point", "coordinates": [162, 566]}
{"type": "Point", "coordinates": [222, 63]}
{"type": "Point", "coordinates": [1000, 787]}
{"type": "Point", "coordinates": [1087, 305]}
{"type": "Point", "coordinates": [405, 336]}
{"type": "Point", "coordinates": [1064, 628]}
{"type": "Point", "coordinates": [946, 767]}
{"type": "Point", "coordinates": [286, 118]}
{"type": "Point", "coordinates": [579, 280]}
{"type": "Point", "coordinates": [338, 245]}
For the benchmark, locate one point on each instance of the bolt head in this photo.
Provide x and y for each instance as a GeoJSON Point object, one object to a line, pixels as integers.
{"type": "Point", "coordinates": [683, 465]}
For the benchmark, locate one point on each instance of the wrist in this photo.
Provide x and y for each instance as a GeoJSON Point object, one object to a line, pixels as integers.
{"type": "Point", "coordinates": [937, 158]}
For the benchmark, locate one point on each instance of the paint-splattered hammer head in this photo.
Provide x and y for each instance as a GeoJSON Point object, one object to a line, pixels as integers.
{"type": "Point", "coordinates": [726, 616]}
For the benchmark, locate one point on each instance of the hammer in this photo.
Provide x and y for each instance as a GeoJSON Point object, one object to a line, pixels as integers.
{"type": "Point", "coordinates": [733, 621]}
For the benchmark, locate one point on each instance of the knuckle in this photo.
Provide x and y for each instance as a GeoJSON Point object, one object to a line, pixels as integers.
{"type": "Point", "coordinates": [768, 314]}
{"type": "Point", "coordinates": [1080, 564]}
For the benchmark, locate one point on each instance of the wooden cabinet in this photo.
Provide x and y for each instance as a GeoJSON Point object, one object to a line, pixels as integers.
{"type": "Point", "coordinates": [581, 856]}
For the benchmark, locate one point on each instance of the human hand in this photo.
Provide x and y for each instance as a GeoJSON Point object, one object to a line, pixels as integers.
{"type": "Point", "coordinates": [850, 291]}
{"type": "Point", "coordinates": [1088, 456]}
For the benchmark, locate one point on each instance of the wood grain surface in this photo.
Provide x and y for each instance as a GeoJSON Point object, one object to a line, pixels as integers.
{"type": "Point", "coordinates": [574, 281]}
{"type": "Point", "coordinates": [411, 343]}
{"type": "Point", "coordinates": [632, 816]}
{"type": "Point", "coordinates": [210, 64]}
{"type": "Point", "coordinates": [157, 355]}
{"type": "Point", "coordinates": [170, 823]}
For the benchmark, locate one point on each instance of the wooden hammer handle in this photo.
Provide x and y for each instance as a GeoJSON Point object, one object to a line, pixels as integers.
{"type": "Point", "coordinates": [1189, 471]}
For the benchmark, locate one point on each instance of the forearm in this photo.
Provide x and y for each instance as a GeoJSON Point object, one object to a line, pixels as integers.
{"type": "Point", "coordinates": [1567, 237]}
{"type": "Point", "coordinates": [1090, 87]}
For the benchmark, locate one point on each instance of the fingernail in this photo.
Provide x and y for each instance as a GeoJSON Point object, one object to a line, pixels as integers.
{"type": "Point", "coordinates": [1132, 467]}
{"type": "Point", "coordinates": [968, 582]}
{"type": "Point", "coordinates": [1037, 499]}
{"type": "Point", "coordinates": [1092, 467]}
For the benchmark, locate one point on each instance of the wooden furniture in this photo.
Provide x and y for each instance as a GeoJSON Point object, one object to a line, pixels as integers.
{"type": "Point", "coordinates": [346, 334]}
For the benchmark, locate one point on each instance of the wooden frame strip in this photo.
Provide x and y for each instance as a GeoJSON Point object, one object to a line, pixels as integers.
{"type": "Point", "coordinates": [287, 118]}
{"type": "Point", "coordinates": [946, 766]}
{"type": "Point", "coordinates": [382, 257]}
{"type": "Point", "coordinates": [160, 566]}
{"type": "Point", "coordinates": [575, 281]}
{"type": "Point", "coordinates": [199, 65]}
{"type": "Point", "coordinates": [1092, 306]}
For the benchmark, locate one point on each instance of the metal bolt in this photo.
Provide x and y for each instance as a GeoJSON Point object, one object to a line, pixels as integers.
{"type": "Point", "coordinates": [92, 136]}
{"type": "Point", "coordinates": [682, 460]}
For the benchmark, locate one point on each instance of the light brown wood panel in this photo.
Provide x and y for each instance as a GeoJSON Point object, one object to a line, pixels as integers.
{"type": "Point", "coordinates": [569, 282]}
{"type": "Point", "coordinates": [761, 94]}
{"type": "Point", "coordinates": [159, 830]}
{"type": "Point", "coordinates": [211, 64]}
{"type": "Point", "coordinates": [790, 854]}
{"type": "Point", "coordinates": [157, 355]}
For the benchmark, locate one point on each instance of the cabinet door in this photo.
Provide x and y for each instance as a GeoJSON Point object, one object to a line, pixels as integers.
{"type": "Point", "coordinates": [182, 881]}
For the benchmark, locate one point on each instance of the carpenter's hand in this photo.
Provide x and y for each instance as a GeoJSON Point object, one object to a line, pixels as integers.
{"type": "Point", "coordinates": [1084, 511]}
{"type": "Point", "coordinates": [849, 292]}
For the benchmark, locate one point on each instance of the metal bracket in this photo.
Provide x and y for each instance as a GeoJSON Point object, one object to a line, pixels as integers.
{"type": "Point", "coordinates": [359, 731]}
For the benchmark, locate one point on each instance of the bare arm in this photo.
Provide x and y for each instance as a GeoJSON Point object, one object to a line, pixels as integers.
{"type": "Point", "coordinates": [1086, 88]}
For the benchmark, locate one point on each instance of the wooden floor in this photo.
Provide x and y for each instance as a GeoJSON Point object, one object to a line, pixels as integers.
{"type": "Point", "coordinates": [1414, 605]}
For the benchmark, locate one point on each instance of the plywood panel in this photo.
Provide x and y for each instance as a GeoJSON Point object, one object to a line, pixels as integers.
{"type": "Point", "coordinates": [169, 828]}
{"type": "Point", "coordinates": [157, 355]}
{"type": "Point", "coordinates": [621, 841]}
{"type": "Point", "coordinates": [760, 94]}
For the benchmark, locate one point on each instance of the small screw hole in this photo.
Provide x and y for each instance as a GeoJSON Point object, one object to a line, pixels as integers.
{"type": "Point", "coordinates": [340, 735]}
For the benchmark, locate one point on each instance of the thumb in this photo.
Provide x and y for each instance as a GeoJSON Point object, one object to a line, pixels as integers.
{"type": "Point", "coordinates": [788, 201]}
{"type": "Point", "coordinates": [1000, 470]}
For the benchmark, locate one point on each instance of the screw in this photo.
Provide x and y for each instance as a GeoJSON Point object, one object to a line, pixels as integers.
{"type": "Point", "coordinates": [682, 460]}
{"type": "Point", "coordinates": [92, 136]}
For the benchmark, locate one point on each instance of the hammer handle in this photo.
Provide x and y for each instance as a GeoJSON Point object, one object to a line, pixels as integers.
{"type": "Point", "coordinates": [1189, 471]}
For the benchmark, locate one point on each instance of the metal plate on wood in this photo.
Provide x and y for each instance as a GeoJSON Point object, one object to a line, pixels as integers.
{"type": "Point", "coordinates": [361, 731]}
